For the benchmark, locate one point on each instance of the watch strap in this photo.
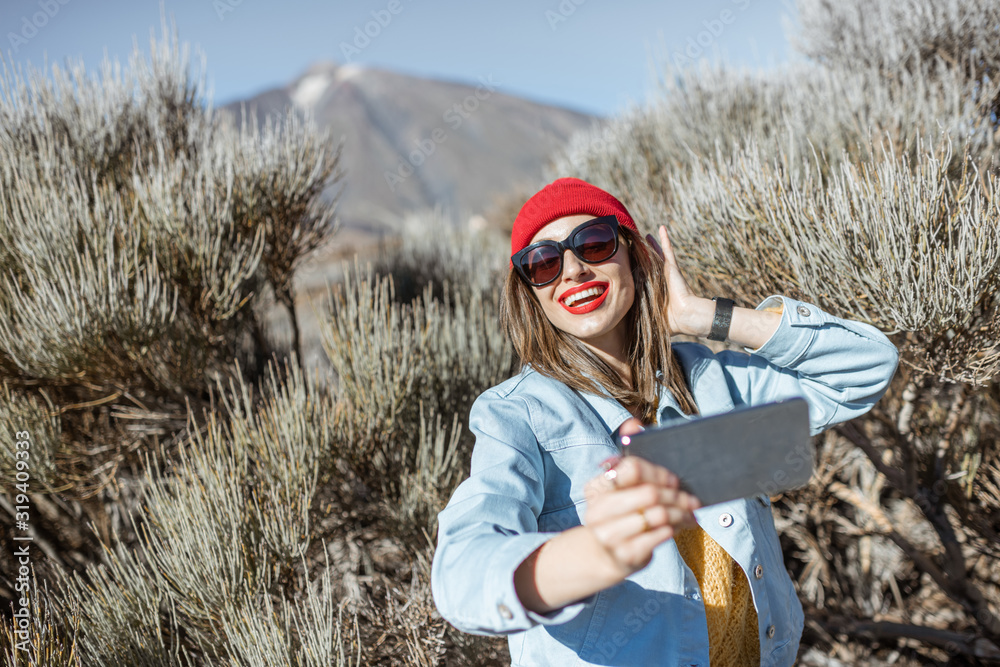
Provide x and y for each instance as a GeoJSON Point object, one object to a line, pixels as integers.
{"type": "Point", "coordinates": [723, 318]}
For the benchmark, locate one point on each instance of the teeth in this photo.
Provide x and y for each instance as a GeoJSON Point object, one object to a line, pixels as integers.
{"type": "Point", "coordinates": [579, 296]}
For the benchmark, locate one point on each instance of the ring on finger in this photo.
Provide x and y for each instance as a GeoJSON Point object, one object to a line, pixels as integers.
{"type": "Point", "coordinates": [645, 521]}
{"type": "Point", "coordinates": [612, 476]}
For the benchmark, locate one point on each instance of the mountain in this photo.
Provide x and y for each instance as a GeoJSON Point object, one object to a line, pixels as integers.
{"type": "Point", "coordinates": [412, 143]}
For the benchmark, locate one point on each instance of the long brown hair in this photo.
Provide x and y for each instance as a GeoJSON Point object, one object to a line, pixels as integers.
{"type": "Point", "coordinates": [561, 356]}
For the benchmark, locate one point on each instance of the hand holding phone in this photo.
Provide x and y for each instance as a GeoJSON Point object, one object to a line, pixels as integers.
{"type": "Point", "coordinates": [764, 449]}
{"type": "Point", "coordinates": [633, 506]}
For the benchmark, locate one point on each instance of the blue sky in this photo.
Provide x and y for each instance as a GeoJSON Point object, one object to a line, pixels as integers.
{"type": "Point", "coordinates": [596, 56]}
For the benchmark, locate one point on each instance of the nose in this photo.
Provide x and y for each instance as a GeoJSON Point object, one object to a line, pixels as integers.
{"type": "Point", "coordinates": [573, 268]}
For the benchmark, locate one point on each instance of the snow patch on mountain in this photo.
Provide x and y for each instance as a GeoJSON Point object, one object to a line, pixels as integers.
{"type": "Point", "coordinates": [348, 72]}
{"type": "Point", "coordinates": [308, 91]}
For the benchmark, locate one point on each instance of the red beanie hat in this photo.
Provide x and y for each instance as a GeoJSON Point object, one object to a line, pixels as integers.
{"type": "Point", "coordinates": [560, 198]}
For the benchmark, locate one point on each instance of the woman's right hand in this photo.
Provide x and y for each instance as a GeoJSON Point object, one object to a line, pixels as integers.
{"type": "Point", "coordinates": [616, 497]}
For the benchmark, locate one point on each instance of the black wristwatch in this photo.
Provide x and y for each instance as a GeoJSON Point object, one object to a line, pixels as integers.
{"type": "Point", "coordinates": [723, 317]}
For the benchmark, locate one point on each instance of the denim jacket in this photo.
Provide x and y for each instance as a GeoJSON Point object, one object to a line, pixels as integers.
{"type": "Point", "coordinates": [538, 442]}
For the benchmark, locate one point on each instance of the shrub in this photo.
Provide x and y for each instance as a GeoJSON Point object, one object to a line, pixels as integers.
{"type": "Point", "coordinates": [403, 367]}
{"type": "Point", "coordinates": [136, 230]}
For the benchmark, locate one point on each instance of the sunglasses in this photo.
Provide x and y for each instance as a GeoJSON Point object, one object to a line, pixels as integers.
{"type": "Point", "coordinates": [592, 242]}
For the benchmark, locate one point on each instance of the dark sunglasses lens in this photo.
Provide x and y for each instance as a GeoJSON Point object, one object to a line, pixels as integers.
{"type": "Point", "coordinates": [596, 243]}
{"type": "Point", "coordinates": [542, 264]}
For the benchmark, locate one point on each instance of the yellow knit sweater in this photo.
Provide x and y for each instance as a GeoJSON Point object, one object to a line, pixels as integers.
{"type": "Point", "coordinates": [729, 610]}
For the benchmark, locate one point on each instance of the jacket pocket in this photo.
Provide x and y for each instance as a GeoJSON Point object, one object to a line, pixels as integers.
{"type": "Point", "coordinates": [558, 520]}
{"type": "Point", "coordinates": [595, 628]}
{"type": "Point", "coordinates": [568, 468]}
{"type": "Point", "coordinates": [782, 655]}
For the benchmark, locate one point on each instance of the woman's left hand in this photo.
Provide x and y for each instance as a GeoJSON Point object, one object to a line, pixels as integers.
{"type": "Point", "coordinates": [684, 308]}
{"type": "Point", "coordinates": [693, 315]}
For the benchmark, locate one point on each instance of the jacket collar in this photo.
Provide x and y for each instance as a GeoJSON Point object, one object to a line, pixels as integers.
{"type": "Point", "coordinates": [613, 414]}
{"type": "Point", "coordinates": [701, 376]}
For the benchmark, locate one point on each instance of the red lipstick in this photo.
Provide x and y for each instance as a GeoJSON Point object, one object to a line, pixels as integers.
{"type": "Point", "coordinates": [590, 305]}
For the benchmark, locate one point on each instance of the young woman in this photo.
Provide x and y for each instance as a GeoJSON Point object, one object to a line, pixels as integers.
{"type": "Point", "coordinates": [583, 558]}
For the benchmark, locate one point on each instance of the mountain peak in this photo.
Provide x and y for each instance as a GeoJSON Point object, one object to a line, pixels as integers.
{"type": "Point", "coordinates": [307, 90]}
{"type": "Point", "coordinates": [319, 67]}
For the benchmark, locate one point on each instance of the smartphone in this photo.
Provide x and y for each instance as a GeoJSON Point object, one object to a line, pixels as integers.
{"type": "Point", "coordinates": [763, 449]}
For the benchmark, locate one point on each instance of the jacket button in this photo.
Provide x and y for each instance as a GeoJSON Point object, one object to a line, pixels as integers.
{"type": "Point", "coordinates": [770, 631]}
{"type": "Point", "coordinates": [505, 612]}
{"type": "Point", "coordinates": [726, 520]}
{"type": "Point", "coordinates": [758, 571]}
{"type": "Point", "coordinates": [803, 311]}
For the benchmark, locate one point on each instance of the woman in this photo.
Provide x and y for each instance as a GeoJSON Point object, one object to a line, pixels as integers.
{"type": "Point", "coordinates": [583, 558]}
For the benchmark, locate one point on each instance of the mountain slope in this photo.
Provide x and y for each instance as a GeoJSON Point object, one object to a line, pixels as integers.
{"type": "Point", "coordinates": [413, 143]}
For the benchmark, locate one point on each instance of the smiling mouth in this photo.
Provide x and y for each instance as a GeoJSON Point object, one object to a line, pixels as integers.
{"type": "Point", "coordinates": [584, 297]}
{"type": "Point", "coordinates": [583, 301]}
